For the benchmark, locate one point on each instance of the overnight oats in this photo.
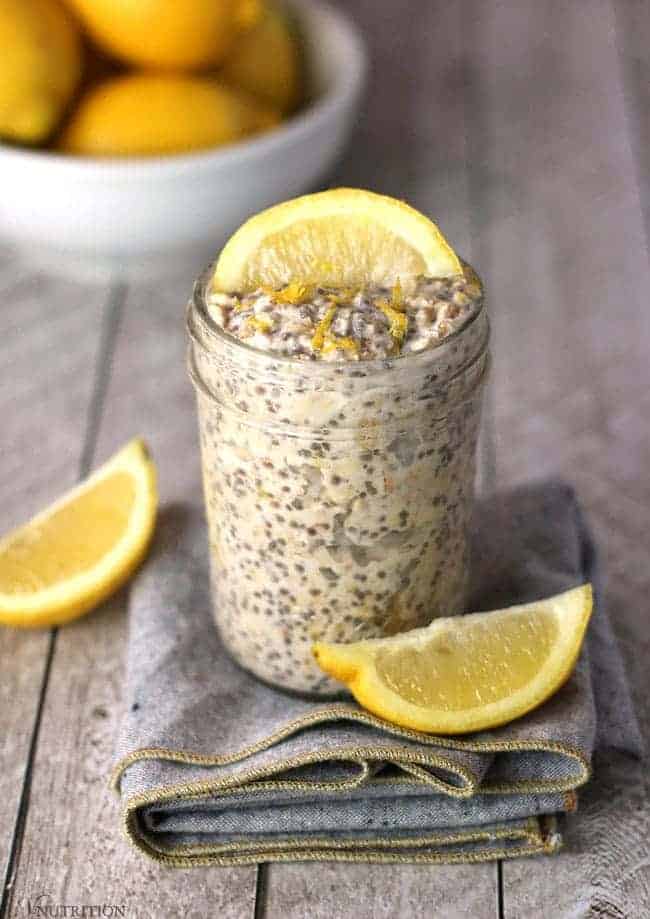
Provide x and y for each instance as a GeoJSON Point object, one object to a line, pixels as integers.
{"type": "Point", "coordinates": [338, 429]}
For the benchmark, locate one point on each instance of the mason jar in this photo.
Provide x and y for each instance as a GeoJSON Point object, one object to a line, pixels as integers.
{"type": "Point", "coordinates": [338, 494]}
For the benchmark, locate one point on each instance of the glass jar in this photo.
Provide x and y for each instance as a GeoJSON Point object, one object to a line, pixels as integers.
{"type": "Point", "coordinates": [338, 494]}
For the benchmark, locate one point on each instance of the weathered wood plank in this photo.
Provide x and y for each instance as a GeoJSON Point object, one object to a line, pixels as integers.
{"type": "Point", "coordinates": [570, 385]}
{"type": "Point", "coordinates": [85, 859]}
{"type": "Point", "coordinates": [565, 261]}
{"type": "Point", "coordinates": [381, 891]}
{"type": "Point", "coordinates": [633, 33]}
{"type": "Point", "coordinates": [419, 83]}
{"type": "Point", "coordinates": [50, 332]}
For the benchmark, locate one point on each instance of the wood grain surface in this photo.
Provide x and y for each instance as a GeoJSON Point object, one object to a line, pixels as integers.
{"type": "Point", "coordinates": [73, 845]}
{"type": "Point", "coordinates": [567, 270]}
{"type": "Point", "coordinates": [380, 891]}
{"type": "Point", "coordinates": [51, 334]}
{"type": "Point", "coordinates": [632, 20]}
{"type": "Point", "coordinates": [523, 127]}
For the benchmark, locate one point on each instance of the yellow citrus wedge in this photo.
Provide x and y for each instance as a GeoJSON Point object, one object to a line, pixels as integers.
{"type": "Point", "coordinates": [344, 237]}
{"type": "Point", "coordinates": [466, 673]}
{"type": "Point", "coordinates": [78, 551]}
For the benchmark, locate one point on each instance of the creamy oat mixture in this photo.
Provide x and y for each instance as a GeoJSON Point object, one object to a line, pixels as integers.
{"type": "Point", "coordinates": [338, 492]}
{"type": "Point", "coordinates": [334, 324]}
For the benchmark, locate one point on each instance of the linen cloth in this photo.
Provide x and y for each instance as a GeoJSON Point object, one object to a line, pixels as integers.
{"type": "Point", "coordinates": [215, 767]}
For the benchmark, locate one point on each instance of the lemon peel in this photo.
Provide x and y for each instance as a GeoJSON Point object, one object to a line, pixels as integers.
{"type": "Point", "coordinates": [40, 67]}
{"type": "Point", "coordinates": [291, 294]}
{"type": "Point", "coordinates": [396, 297]}
{"type": "Point", "coordinates": [333, 342]}
{"type": "Point", "coordinates": [248, 13]}
{"type": "Point", "coordinates": [397, 321]}
{"type": "Point", "coordinates": [260, 323]}
{"type": "Point", "coordinates": [168, 35]}
{"type": "Point", "coordinates": [318, 338]}
{"type": "Point", "coordinates": [151, 114]}
{"type": "Point", "coordinates": [266, 58]}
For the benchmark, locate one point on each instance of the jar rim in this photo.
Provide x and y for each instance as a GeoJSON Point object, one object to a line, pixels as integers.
{"type": "Point", "coordinates": [412, 361]}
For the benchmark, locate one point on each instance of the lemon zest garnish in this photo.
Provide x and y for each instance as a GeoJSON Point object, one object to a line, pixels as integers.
{"type": "Point", "coordinates": [346, 343]}
{"type": "Point", "coordinates": [318, 338]}
{"type": "Point", "coordinates": [260, 323]}
{"type": "Point", "coordinates": [393, 310]}
{"type": "Point", "coordinates": [341, 296]}
{"type": "Point", "coordinates": [291, 293]}
{"type": "Point", "coordinates": [396, 296]}
{"type": "Point", "coordinates": [398, 321]}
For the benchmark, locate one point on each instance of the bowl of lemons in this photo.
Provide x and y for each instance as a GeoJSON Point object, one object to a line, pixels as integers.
{"type": "Point", "coordinates": [135, 137]}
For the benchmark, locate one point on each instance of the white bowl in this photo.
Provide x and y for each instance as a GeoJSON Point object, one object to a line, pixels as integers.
{"type": "Point", "coordinates": [168, 215]}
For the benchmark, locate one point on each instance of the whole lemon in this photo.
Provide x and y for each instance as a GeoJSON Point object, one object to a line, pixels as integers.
{"type": "Point", "coordinates": [151, 114]}
{"type": "Point", "coordinates": [167, 34]}
{"type": "Point", "coordinates": [266, 60]}
{"type": "Point", "coordinates": [40, 67]}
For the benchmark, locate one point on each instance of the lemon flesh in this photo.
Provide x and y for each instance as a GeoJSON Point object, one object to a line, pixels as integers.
{"type": "Point", "coordinates": [466, 673]}
{"type": "Point", "coordinates": [78, 551]}
{"type": "Point", "coordinates": [344, 237]}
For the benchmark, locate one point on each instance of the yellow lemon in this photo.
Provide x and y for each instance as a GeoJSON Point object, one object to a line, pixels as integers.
{"type": "Point", "coordinates": [466, 673]}
{"type": "Point", "coordinates": [345, 237]}
{"type": "Point", "coordinates": [83, 547]}
{"type": "Point", "coordinates": [169, 34]}
{"type": "Point", "coordinates": [40, 67]}
{"type": "Point", "coordinates": [266, 61]}
{"type": "Point", "coordinates": [149, 114]}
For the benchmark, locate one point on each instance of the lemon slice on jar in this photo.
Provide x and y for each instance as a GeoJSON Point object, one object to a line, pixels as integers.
{"type": "Point", "coordinates": [466, 673]}
{"type": "Point", "coordinates": [345, 237]}
{"type": "Point", "coordinates": [78, 551]}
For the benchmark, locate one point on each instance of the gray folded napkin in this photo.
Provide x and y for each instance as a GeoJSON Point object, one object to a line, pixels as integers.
{"type": "Point", "coordinates": [217, 768]}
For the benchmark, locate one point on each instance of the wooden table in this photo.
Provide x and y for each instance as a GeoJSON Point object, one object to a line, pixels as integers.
{"type": "Point", "coordinates": [523, 126]}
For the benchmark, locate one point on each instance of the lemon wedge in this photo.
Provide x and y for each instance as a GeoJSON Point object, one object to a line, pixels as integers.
{"type": "Point", "coordinates": [466, 673]}
{"type": "Point", "coordinates": [78, 551]}
{"type": "Point", "coordinates": [345, 237]}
